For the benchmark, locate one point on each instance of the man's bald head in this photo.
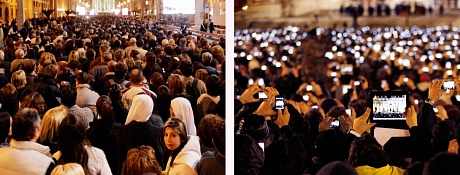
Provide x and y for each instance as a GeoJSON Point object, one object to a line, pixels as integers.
{"type": "Point", "coordinates": [136, 76]}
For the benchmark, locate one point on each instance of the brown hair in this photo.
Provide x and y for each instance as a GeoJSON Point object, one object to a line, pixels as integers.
{"type": "Point", "coordinates": [35, 100]}
{"type": "Point", "coordinates": [176, 85]}
{"type": "Point", "coordinates": [141, 160]}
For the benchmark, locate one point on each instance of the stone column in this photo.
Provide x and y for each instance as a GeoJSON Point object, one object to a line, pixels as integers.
{"type": "Point", "coordinates": [199, 12]}
{"type": "Point", "coordinates": [21, 14]}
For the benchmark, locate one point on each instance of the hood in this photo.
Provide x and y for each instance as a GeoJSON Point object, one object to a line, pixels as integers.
{"type": "Point", "coordinates": [191, 153]}
{"type": "Point", "coordinates": [183, 110]}
{"type": "Point", "coordinates": [141, 109]}
{"type": "Point", "coordinates": [386, 170]}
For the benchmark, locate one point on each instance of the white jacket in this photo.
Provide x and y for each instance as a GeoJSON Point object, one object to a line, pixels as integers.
{"type": "Point", "coordinates": [24, 157]}
{"type": "Point", "coordinates": [97, 162]}
{"type": "Point", "coordinates": [186, 160]}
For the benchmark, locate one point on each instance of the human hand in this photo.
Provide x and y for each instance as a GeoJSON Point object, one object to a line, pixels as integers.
{"type": "Point", "coordinates": [325, 124]}
{"type": "Point", "coordinates": [442, 113]}
{"type": "Point", "coordinates": [457, 85]}
{"type": "Point", "coordinates": [294, 104]}
{"type": "Point", "coordinates": [248, 95]}
{"type": "Point", "coordinates": [271, 91]}
{"type": "Point", "coordinates": [283, 117]}
{"type": "Point", "coordinates": [265, 108]}
{"type": "Point", "coordinates": [453, 146]}
{"type": "Point", "coordinates": [317, 88]}
{"type": "Point", "coordinates": [411, 118]}
{"type": "Point", "coordinates": [345, 124]}
{"type": "Point", "coordinates": [360, 124]}
{"type": "Point", "coordinates": [435, 91]}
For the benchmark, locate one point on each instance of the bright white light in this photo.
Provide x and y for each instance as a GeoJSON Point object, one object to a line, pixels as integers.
{"type": "Point", "coordinates": [425, 69]}
{"type": "Point", "coordinates": [334, 48]}
{"type": "Point", "coordinates": [284, 58]}
{"type": "Point", "coordinates": [263, 67]}
{"type": "Point", "coordinates": [329, 55]}
{"type": "Point", "coordinates": [438, 55]}
{"type": "Point", "coordinates": [249, 57]}
{"type": "Point", "coordinates": [242, 54]}
{"type": "Point", "coordinates": [339, 54]}
{"type": "Point", "coordinates": [278, 64]}
{"type": "Point", "coordinates": [449, 72]}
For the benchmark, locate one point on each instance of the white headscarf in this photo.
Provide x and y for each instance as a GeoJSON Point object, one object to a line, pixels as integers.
{"type": "Point", "coordinates": [141, 109]}
{"type": "Point", "coordinates": [183, 110]}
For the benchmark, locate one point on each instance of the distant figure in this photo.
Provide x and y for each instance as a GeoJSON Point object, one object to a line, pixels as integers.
{"type": "Point", "coordinates": [184, 30]}
{"type": "Point", "coordinates": [430, 10]}
{"type": "Point", "coordinates": [441, 9]}
{"type": "Point", "coordinates": [211, 26]}
{"type": "Point", "coordinates": [203, 27]}
{"type": "Point", "coordinates": [370, 10]}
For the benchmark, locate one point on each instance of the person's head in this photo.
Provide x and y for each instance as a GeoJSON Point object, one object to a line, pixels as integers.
{"type": "Point", "coordinates": [35, 100]}
{"type": "Point", "coordinates": [74, 55]}
{"type": "Point", "coordinates": [19, 54]}
{"type": "Point", "coordinates": [141, 160]}
{"type": "Point", "coordinates": [156, 79]}
{"type": "Point", "coordinates": [120, 70]}
{"type": "Point", "coordinates": [90, 54]}
{"type": "Point", "coordinates": [337, 167]}
{"type": "Point", "coordinates": [205, 128]}
{"type": "Point", "coordinates": [46, 59]}
{"type": "Point", "coordinates": [72, 142]}
{"type": "Point", "coordinates": [111, 66]}
{"type": "Point", "coordinates": [185, 67]}
{"type": "Point", "coordinates": [106, 57]}
{"type": "Point", "coordinates": [68, 96]}
{"type": "Point", "coordinates": [118, 55]}
{"type": "Point", "coordinates": [50, 71]}
{"type": "Point", "coordinates": [141, 108]}
{"type": "Point", "coordinates": [103, 49]}
{"type": "Point", "coordinates": [104, 109]}
{"type": "Point", "coordinates": [213, 85]}
{"type": "Point", "coordinates": [28, 66]}
{"type": "Point", "coordinates": [62, 67]}
{"type": "Point", "coordinates": [206, 58]}
{"type": "Point", "coordinates": [174, 133]}
{"type": "Point", "coordinates": [201, 74]}
{"type": "Point", "coordinates": [191, 46]}
{"type": "Point", "coordinates": [169, 50]}
{"type": "Point", "coordinates": [164, 42]}
{"type": "Point", "coordinates": [443, 132]}
{"type": "Point", "coordinates": [176, 85]}
{"type": "Point", "coordinates": [136, 76]}
{"type": "Point", "coordinates": [139, 43]}
{"type": "Point", "coordinates": [68, 169]}
{"type": "Point", "coordinates": [50, 123]}
{"type": "Point", "coordinates": [218, 136]}
{"type": "Point", "coordinates": [26, 125]}
{"type": "Point", "coordinates": [18, 79]}
{"type": "Point", "coordinates": [5, 126]}
{"type": "Point", "coordinates": [443, 163]}
{"type": "Point", "coordinates": [365, 150]}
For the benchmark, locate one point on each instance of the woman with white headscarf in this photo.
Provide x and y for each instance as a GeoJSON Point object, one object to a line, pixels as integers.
{"type": "Point", "coordinates": [182, 109]}
{"type": "Point", "coordinates": [138, 130]}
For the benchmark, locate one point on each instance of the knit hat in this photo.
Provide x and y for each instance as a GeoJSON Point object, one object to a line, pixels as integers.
{"type": "Point", "coordinates": [425, 77]}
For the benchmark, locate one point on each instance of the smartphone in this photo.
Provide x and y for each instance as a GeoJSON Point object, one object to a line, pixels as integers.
{"type": "Point", "coordinates": [279, 102]}
{"type": "Point", "coordinates": [383, 83]}
{"type": "Point", "coordinates": [425, 69]}
{"type": "Point", "coordinates": [335, 123]}
{"type": "Point", "coordinates": [251, 82]}
{"type": "Point", "coordinates": [357, 83]}
{"type": "Point", "coordinates": [333, 74]}
{"type": "Point", "coordinates": [348, 111]}
{"type": "Point", "coordinates": [314, 106]}
{"type": "Point", "coordinates": [435, 110]}
{"type": "Point", "coordinates": [345, 89]}
{"type": "Point", "coordinates": [309, 87]}
{"type": "Point", "coordinates": [405, 79]}
{"type": "Point", "coordinates": [448, 65]}
{"type": "Point", "coordinates": [262, 95]}
{"type": "Point", "coordinates": [306, 98]}
{"type": "Point", "coordinates": [449, 72]}
{"type": "Point", "coordinates": [261, 82]}
{"type": "Point", "coordinates": [448, 85]}
{"type": "Point", "coordinates": [416, 101]}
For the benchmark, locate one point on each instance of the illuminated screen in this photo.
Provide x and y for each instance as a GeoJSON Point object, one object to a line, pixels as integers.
{"type": "Point", "coordinates": [178, 6]}
{"type": "Point", "coordinates": [389, 107]}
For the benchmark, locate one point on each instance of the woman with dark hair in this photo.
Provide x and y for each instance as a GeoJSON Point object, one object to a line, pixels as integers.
{"type": "Point", "coordinates": [5, 129]}
{"type": "Point", "coordinates": [162, 109]}
{"type": "Point", "coordinates": [74, 147]}
{"type": "Point", "coordinates": [35, 100]}
{"type": "Point", "coordinates": [102, 133]}
{"type": "Point", "coordinates": [184, 149]}
{"type": "Point", "coordinates": [8, 99]}
{"type": "Point", "coordinates": [368, 157]}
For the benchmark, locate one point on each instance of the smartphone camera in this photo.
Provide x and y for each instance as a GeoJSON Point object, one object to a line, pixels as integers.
{"type": "Point", "coordinates": [335, 123]}
{"type": "Point", "coordinates": [279, 102]}
{"type": "Point", "coordinates": [357, 83]}
{"type": "Point", "coordinates": [306, 98]}
{"type": "Point", "coordinates": [262, 95]}
{"type": "Point", "coordinates": [314, 106]}
{"type": "Point", "coordinates": [348, 111]}
{"type": "Point", "coordinates": [448, 85]}
{"type": "Point", "coordinates": [405, 79]}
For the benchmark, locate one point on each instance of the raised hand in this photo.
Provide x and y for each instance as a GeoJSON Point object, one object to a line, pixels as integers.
{"type": "Point", "coordinates": [360, 124]}
{"type": "Point", "coordinates": [411, 118]}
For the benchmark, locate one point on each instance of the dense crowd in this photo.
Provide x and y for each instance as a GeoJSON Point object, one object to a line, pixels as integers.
{"type": "Point", "coordinates": [110, 95]}
{"type": "Point", "coordinates": [321, 74]}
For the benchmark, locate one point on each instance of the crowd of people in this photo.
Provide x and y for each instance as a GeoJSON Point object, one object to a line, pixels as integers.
{"type": "Point", "coordinates": [110, 95]}
{"type": "Point", "coordinates": [322, 72]}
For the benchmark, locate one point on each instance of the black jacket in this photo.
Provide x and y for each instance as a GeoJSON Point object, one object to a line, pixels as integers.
{"type": "Point", "coordinates": [48, 89]}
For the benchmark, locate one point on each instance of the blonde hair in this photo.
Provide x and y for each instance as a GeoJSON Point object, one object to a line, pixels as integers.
{"type": "Point", "coordinates": [202, 74]}
{"type": "Point", "coordinates": [74, 55]}
{"type": "Point", "coordinates": [50, 123]}
{"type": "Point", "coordinates": [68, 169]}
{"type": "Point", "coordinates": [18, 79]}
{"type": "Point", "coordinates": [164, 42]}
{"type": "Point", "coordinates": [141, 160]}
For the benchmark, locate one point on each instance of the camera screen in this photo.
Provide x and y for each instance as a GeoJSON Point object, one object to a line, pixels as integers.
{"type": "Point", "coordinates": [262, 95]}
{"type": "Point", "coordinates": [448, 85]}
{"type": "Point", "coordinates": [335, 123]}
{"type": "Point", "coordinates": [389, 107]}
{"type": "Point", "coordinates": [346, 69]}
{"type": "Point", "coordinates": [279, 102]}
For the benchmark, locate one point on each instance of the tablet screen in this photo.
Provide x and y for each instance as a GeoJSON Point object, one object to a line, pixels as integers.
{"type": "Point", "coordinates": [389, 106]}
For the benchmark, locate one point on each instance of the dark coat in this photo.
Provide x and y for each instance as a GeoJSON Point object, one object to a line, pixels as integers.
{"type": "Point", "coordinates": [48, 89]}
{"type": "Point", "coordinates": [136, 134]}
